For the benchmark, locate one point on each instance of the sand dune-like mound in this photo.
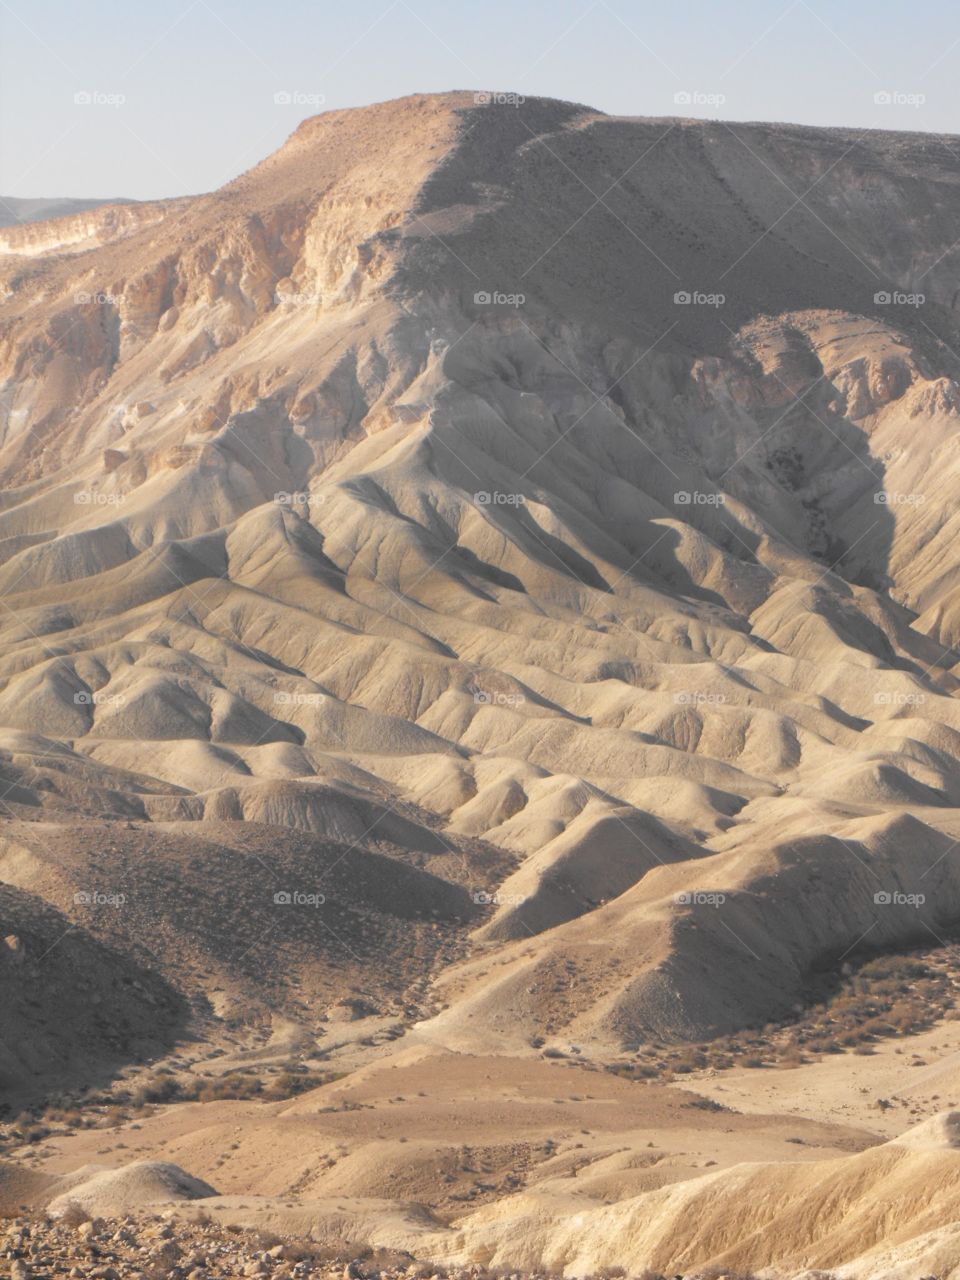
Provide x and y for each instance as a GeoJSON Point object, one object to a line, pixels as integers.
{"type": "Point", "coordinates": [140, 1185]}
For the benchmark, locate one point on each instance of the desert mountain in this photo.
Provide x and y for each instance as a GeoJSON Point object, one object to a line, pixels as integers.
{"type": "Point", "coordinates": [491, 564]}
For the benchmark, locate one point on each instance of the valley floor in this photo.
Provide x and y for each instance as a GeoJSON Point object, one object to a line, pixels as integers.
{"type": "Point", "coordinates": [437, 1155]}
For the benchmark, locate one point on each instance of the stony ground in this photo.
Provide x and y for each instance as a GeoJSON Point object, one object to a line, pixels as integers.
{"type": "Point", "coordinates": [161, 1248]}
{"type": "Point", "coordinates": [132, 1248]}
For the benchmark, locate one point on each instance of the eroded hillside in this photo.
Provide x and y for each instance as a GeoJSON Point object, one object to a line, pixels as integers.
{"type": "Point", "coordinates": [521, 539]}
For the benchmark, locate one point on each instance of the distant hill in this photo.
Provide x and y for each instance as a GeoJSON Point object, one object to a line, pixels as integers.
{"type": "Point", "coordinates": [14, 209]}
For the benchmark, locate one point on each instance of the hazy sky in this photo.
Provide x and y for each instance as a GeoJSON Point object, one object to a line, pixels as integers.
{"type": "Point", "coordinates": [182, 93]}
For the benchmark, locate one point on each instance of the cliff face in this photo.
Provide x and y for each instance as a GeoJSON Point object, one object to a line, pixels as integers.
{"type": "Point", "coordinates": [80, 230]}
{"type": "Point", "coordinates": [585, 482]}
{"type": "Point", "coordinates": [20, 210]}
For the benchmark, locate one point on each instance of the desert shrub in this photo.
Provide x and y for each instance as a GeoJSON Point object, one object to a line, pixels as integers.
{"type": "Point", "coordinates": [73, 1214]}
{"type": "Point", "coordinates": [159, 1088]}
{"type": "Point", "coordinates": [691, 1059]}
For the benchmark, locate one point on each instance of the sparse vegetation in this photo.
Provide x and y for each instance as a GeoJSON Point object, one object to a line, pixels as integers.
{"type": "Point", "coordinates": [105, 1109]}
{"type": "Point", "coordinates": [238, 1085]}
{"type": "Point", "coordinates": [885, 996]}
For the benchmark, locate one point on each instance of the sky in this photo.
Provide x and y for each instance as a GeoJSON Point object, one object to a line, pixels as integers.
{"type": "Point", "coordinates": [136, 98]}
